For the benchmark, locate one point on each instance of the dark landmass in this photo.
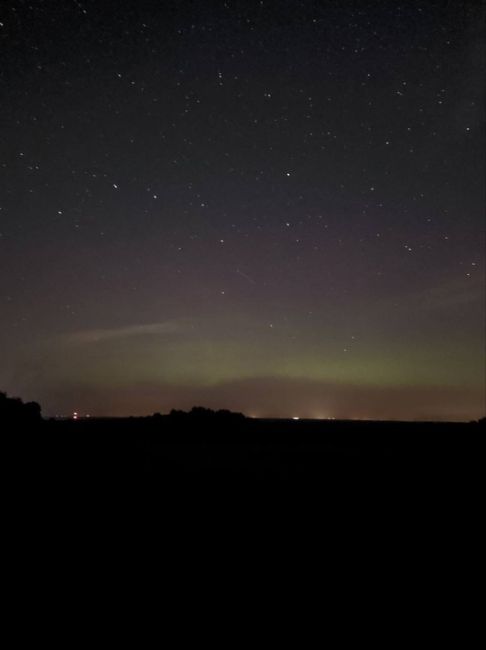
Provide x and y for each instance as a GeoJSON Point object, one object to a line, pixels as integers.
{"type": "Point", "coordinates": [227, 453]}
{"type": "Point", "coordinates": [190, 489]}
{"type": "Point", "coordinates": [204, 447]}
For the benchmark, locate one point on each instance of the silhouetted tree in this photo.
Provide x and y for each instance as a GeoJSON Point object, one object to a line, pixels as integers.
{"type": "Point", "coordinates": [200, 412]}
{"type": "Point", "coordinates": [14, 410]}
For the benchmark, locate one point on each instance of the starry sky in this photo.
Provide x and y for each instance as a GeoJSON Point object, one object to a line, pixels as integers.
{"type": "Point", "coordinates": [272, 207]}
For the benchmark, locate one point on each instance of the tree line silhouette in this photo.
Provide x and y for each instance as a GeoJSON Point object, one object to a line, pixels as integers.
{"type": "Point", "coordinates": [202, 413]}
{"type": "Point", "coordinates": [13, 409]}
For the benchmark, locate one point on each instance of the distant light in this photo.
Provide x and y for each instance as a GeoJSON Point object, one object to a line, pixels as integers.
{"type": "Point", "coordinates": [295, 417]}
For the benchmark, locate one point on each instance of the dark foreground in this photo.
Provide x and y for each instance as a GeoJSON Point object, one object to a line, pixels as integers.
{"type": "Point", "coordinates": [134, 455]}
{"type": "Point", "coordinates": [350, 506]}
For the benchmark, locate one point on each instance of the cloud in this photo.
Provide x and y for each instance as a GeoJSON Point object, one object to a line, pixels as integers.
{"type": "Point", "coordinates": [451, 294]}
{"type": "Point", "coordinates": [454, 294]}
{"type": "Point", "coordinates": [150, 329]}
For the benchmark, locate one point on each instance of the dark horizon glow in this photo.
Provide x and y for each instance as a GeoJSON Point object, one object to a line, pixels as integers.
{"type": "Point", "coordinates": [271, 207]}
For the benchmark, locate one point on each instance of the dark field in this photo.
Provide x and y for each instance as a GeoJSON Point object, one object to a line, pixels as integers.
{"type": "Point", "coordinates": [335, 497]}
{"type": "Point", "coordinates": [231, 452]}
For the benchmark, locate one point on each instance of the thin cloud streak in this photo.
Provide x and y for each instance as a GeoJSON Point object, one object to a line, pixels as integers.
{"type": "Point", "coordinates": [99, 335]}
{"type": "Point", "coordinates": [453, 294]}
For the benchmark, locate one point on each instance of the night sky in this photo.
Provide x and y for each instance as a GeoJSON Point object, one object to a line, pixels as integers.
{"type": "Point", "coordinates": [271, 207]}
